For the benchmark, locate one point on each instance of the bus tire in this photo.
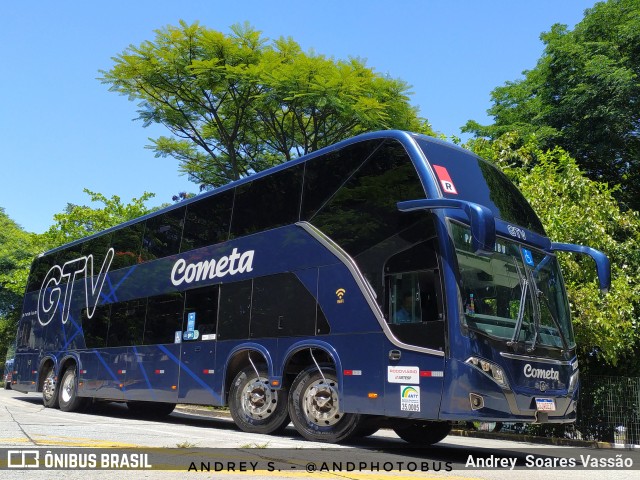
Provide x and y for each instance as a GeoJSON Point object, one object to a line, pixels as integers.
{"type": "Point", "coordinates": [151, 409]}
{"type": "Point", "coordinates": [49, 388]}
{"type": "Point", "coordinates": [254, 405]}
{"type": "Point", "coordinates": [68, 398]}
{"type": "Point", "coordinates": [314, 407]}
{"type": "Point", "coordinates": [423, 433]}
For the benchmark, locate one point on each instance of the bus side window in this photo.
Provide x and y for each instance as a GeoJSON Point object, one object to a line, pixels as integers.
{"type": "Point", "coordinates": [201, 306]}
{"type": "Point", "coordinates": [235, 310]}
{"type": "Point", "coordinates": [162, 234]}
{"type": "Point", "coordinates": [282, 307]}
{"type": "Point", "coordinates": [164, 318]}
{"type": "Point", "coordinates": [96, 328]}
{"type": "Point", "coordinates": [207, 222]}
{"type": "Point", "coordinates": [127, 323]}
{"type": "Point", "coordinates": [267, 203]}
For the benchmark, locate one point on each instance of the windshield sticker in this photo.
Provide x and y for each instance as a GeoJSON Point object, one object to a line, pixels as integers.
{"type": "Point", "coordinates": [445, 180]}
{"type": "Point", "coordinates": [528, 257]}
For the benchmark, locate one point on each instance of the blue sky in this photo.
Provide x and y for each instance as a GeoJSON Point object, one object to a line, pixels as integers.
{"type": "Point", "coordinates": [61, 130]}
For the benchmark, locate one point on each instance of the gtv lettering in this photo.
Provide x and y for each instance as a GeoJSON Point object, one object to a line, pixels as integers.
{"type": "Point", "coordinates": [57, 287]}
{"type": "Point", "coordinates": [183, 272]}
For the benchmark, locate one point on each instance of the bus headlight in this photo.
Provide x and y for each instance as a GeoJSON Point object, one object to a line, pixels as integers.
{"type": "Point", "coordinates": [573, 382]}
{"type": "Point", "coordinates": [490, 369]}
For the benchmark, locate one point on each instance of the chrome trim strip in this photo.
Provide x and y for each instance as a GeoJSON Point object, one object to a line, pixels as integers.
{"type": "Point", "coordinates": [362, 282]}
{"type": "Point", "coordinates": [526, 358]}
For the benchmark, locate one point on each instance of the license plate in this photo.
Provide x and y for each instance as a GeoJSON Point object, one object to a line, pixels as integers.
{"type": "Point", "coordinates": [546, 404]}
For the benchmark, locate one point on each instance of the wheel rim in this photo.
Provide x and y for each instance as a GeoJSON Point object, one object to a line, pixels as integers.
{"type": "Point", "coordinates": [321, 404]}
{"type": "Point", "coordinates": [68, 387]}
{"type": "Point", "coordinates": [258, 400]}
{"type": "Point", "coordinates": [49, 386]}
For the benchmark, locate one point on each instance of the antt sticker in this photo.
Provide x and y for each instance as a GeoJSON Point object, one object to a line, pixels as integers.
{"type": "Point", "coordinates": [445, 180]}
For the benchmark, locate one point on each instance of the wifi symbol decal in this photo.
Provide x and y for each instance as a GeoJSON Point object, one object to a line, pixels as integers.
{"type": "Point", "coordinates": [340, 294]}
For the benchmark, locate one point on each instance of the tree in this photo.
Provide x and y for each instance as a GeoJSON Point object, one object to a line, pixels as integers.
{"type": "Point", "coordinates": [575, 209]}
{"type": "Point", "coordinates": [17, 250]}
{"type": "Point", "coordinates": [239, 103]}
{"type": "Point", "coordinates": [583, 95]}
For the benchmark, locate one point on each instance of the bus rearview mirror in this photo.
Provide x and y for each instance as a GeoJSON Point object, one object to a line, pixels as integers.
{"type": "Point", "coordinates": [603, 266]}
{"type": "Point", "coordinates": [482, 222]}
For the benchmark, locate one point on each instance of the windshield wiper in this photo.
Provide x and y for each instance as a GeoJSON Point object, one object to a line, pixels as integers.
{"type": "Point", "coordinates": [535, 293]}
{"type": "Point", "coordinates": [565, 344]}
{"type": "Point", "coordinates": [524, 287]}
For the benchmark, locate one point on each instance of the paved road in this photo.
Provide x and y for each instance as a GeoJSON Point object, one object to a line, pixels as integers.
{"type": "Point", "coordinates": [26, 425]}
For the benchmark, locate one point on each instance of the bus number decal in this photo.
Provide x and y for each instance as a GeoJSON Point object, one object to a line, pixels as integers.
{"type": "Point", "coordinates": [52, 294]}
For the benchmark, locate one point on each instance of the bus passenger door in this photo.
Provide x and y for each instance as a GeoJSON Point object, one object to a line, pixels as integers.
{"type": "Point", "coordinates": [197, 362]}
{"type": "Point", "coordinates": [415, 317]}
{"type": "Point", "coordinates": [154, 367]}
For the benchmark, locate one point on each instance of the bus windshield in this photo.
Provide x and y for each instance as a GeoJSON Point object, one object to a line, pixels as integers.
{"type": "Point", "coordinates": [515, 294]}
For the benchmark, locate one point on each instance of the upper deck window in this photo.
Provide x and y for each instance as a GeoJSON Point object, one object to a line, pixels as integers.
{"type": "Point", "coordinates": [476, 180]}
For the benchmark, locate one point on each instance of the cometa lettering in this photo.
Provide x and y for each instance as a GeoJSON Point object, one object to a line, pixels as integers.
{"type": "Point", "coordinates": [183, 272]}
{"type": "Point", "coordinates": [549, 374]}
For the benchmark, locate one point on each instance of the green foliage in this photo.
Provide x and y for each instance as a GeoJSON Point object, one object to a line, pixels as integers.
{"type": "Point", "coordinates": [583, 95]}
{"type": "Point", "coordinates": [78, 221]}
{"type": "Point", "coordinates": [17, 250]}
{"type": "Point", "coordinates": [236, 104]}
{"type": "Point", "coordinates": [575, 209]}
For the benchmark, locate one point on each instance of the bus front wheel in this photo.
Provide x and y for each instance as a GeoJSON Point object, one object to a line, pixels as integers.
{"type": "Point", "coordinates": [255, 406]}
{"type": "Point", "coordinates": [314, 407]}
{"type": "Point", "coordinates": [423, 433]}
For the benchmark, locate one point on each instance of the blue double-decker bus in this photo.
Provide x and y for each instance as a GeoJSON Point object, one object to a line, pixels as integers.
{"type": "Point", "coordinates": [390, 280]}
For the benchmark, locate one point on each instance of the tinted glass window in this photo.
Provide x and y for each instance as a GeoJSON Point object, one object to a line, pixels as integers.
{"type": "Point", "coordinates": [68, 254]}
{"type": "Point", "coordinates": [326, 174]}
{"type": "Point", "coordinates": [202, 303]}
{"type": "Point", "coordinates": [39, 270]}
{"type": "Point", "coordinates": [127, 242]}
{"type": "Point", "coordinates": [281, 306]}
{"type": "Point", "coordinates": [24, 338]}
{"type": "Point", "coordinates": [235, 310]}
{"type": "Point", "coordinates": [363, 212]}
{"type": "Point", "coordinates": [162, 234]}
{"type": "Point", "coordinates": [95, 329]}
{"type": "Point", "coordinates": [127, 323]}
{"type": "Point", "coordinates": [164, 318]}
{"type": "Point", "coordinates": [207, 221]}
{"type": "Point", "coordinates": [98, 247]}
{"type": "Point", "coordinates": [268, 202]}
{"type": "Point", "coordinates": [478, 181]}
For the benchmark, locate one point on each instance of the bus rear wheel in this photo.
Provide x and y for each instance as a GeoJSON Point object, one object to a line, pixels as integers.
{"type": "Point", "coordinates": [255, 406]}
{"type": "Point", "coordinates": [314, 407]}
{"type": "Point", "coordinates": [68, 398]}
{"type": "Point", "coordinates": [49, 388]}
{"type": "Point", "coordinates": [423, 433]}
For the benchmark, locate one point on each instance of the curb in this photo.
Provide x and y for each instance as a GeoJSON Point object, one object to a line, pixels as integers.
{"type": "Point", "coordinates": [516, 437]}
